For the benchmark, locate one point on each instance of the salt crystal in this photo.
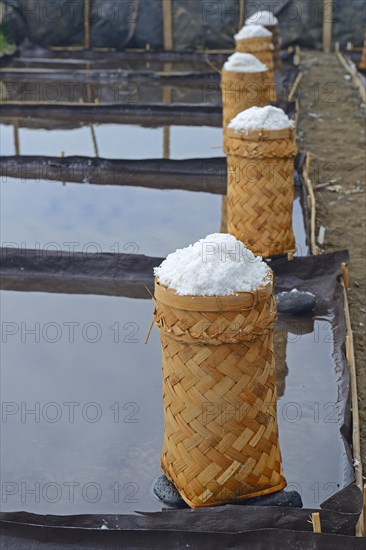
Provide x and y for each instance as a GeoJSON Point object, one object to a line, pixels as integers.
{"type": "Point", "coordinates": [252, 31]}
{"type": "Point", "coordinates": [218, 265]}
{"type": "Point", "coordinates": [262, 17]}
{"type": "Point", "coordinates": [260, 118]}
{"type": "Point", "coordinates": [244, 63]}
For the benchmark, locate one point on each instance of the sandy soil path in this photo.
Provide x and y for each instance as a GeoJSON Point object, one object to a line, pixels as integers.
{"type": "Point", "coordinates": [332, 127]}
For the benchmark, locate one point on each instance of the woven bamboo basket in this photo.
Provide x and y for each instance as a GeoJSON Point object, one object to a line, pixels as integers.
{"type": "Point", "coordinates": [220, 420]}
{"type": "Point", "coordinates": [261, 48]}
{"type": "Point", "coordinates": [260, 190]}
{"type": "Point", "coordinates": [241, 91]}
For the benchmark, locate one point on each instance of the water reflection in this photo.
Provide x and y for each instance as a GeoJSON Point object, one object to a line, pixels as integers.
{"type": "Point", "coordinates": [83, 405]}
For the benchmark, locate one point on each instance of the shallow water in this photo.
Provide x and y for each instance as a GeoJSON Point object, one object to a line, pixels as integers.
{"type": "Point", "coordinates": [82, 407]}
{"type": "Point", "coordinates": [37, 213]}
{"type": "Point", "coordinates": [118, 141]}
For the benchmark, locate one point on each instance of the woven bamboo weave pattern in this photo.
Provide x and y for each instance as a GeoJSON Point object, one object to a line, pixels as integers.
{"type": "Point", "coordinates": [220, 425]}
{"type": "Point", "coordinates": [261, 48]}
{"type": "Point", "coordinates": [243, 90]}
{"type": "Point", "coordinates": [261, 191]}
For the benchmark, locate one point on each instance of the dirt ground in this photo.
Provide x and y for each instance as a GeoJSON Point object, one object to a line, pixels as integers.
{"type": "Point", "coordinates": [332, 127]}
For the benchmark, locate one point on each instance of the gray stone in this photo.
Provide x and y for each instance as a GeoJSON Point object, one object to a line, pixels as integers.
{"type": "Point", "coordinates": [295, 302]}
{"type": "Point", "coordinates": [167, 493]}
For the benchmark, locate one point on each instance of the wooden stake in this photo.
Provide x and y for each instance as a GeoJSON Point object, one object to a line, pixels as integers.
{"type": "Point", "coordinates": [364, 510]}
{"type": "Point", "coordinates": [363, 57]}
{"type": "Point", "coordinates": [295, 86]}
{"type": "Point", "coordinates": [62, 155]}
{"type": "Point", "coordinates": [327, 25]}
{"type": "Point", "coordinates": [312, 205]}
{"type": "Point", "coordinates": [356, 445]}
{"type": "Point", "coordinates": [352, 70]}
{"type": "Point", "coordinates": [345, 274]}
{"type": "Point", "coordinates": [241, 14]}
{"type": "Point", "coordinates": [94, 138]}
{"type": "Point", "coordinates": [16, 136]}
{"type": "Point", "coordinates": [167, 98]}
{"type": "Point", "coordinates": [315, 518]}
{"type": "Point", "coordinates": [297, 56]}
{"type": "Point", "coordinates": [168, 25]}
{"type": "Point", "coordinates": [87, 24]}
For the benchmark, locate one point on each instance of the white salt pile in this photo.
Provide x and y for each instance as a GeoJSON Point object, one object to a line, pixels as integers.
{"type": "Point", "coordinates": [262, 17]}
{"type": "Point", "coordinates": [260, 118]}
{"type": "Point", "coordinates": [218, 265]}
{"type": "Point", "coordinates": [244, 63]}
{"type": "Point", "coordinates": [252, 31]}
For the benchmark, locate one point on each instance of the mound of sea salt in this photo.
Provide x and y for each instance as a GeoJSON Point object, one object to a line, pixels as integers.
{"type": "Point", "coordinates": [260, 118]}
{"type": "Point", "coordinates": [252, 31]}
{"type": "Point", "coordinates": [244, 63]}
{"type": "Point", "coordinates": [218, 265]}
{"type": "Point", "coordinates": [262, 17]}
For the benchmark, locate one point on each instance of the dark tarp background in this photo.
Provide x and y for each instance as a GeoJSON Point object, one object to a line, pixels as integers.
{"type": "Point", "coordinates": [197, 24]}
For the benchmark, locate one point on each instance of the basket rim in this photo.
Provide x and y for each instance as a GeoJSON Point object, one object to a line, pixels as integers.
{"type": "Point", "coordinates": [261, 39]}
{"type": "Point", "coordinates": [242, 74]}
{"type": "Point", "coordinates": [233, 302]}
{"type": "Point", "coordinates": [261, 135]}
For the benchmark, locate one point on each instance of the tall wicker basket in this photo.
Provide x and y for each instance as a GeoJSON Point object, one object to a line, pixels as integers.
{"type": "Point", "coordinates": [244, 90]}
{"type": "Point", "coordinates": [220, 421]}
{"type": "Point", "coordinates": [261, 190]}
{"type": "Point", "coordinates": [262, 48]}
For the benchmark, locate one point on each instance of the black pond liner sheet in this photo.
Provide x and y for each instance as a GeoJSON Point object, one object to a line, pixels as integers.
{"type": "Point", "coordinates": [231, 526]}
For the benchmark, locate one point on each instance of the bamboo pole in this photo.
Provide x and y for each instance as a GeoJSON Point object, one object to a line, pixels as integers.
{"type": "Point", "coordinates": [327, 25]}
{"type": "Point", "coordinates": [168, 24]}
{"type": "Point", "coordinates": [87, 24]}
{"type": "Point", "coordinates": [312, 205]}
{"type": "Point", "coordinates": [241, 14]}
{"type": "Point", "coordinates": [352, 70]}
{"type": "Point", "coordinates": [315, 518]}
{"type": "Point", "coordinates": [356, 445]}
{"type": "Point", "coordinates": [294, 87]}
{"type": "Point", "coordinates": [363, 56]}
{"type": "Point", "coordinates": [167, 98]}
{"type": "Point", "coordinates": [364, 509]}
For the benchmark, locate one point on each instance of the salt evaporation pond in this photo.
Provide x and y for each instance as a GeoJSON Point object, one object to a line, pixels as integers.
{"type": "Point", "coordinates": [92, 443]}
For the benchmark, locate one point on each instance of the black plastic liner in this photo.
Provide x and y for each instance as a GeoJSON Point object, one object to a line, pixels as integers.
{"type": "Point", "coordinates": [144, 114]}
